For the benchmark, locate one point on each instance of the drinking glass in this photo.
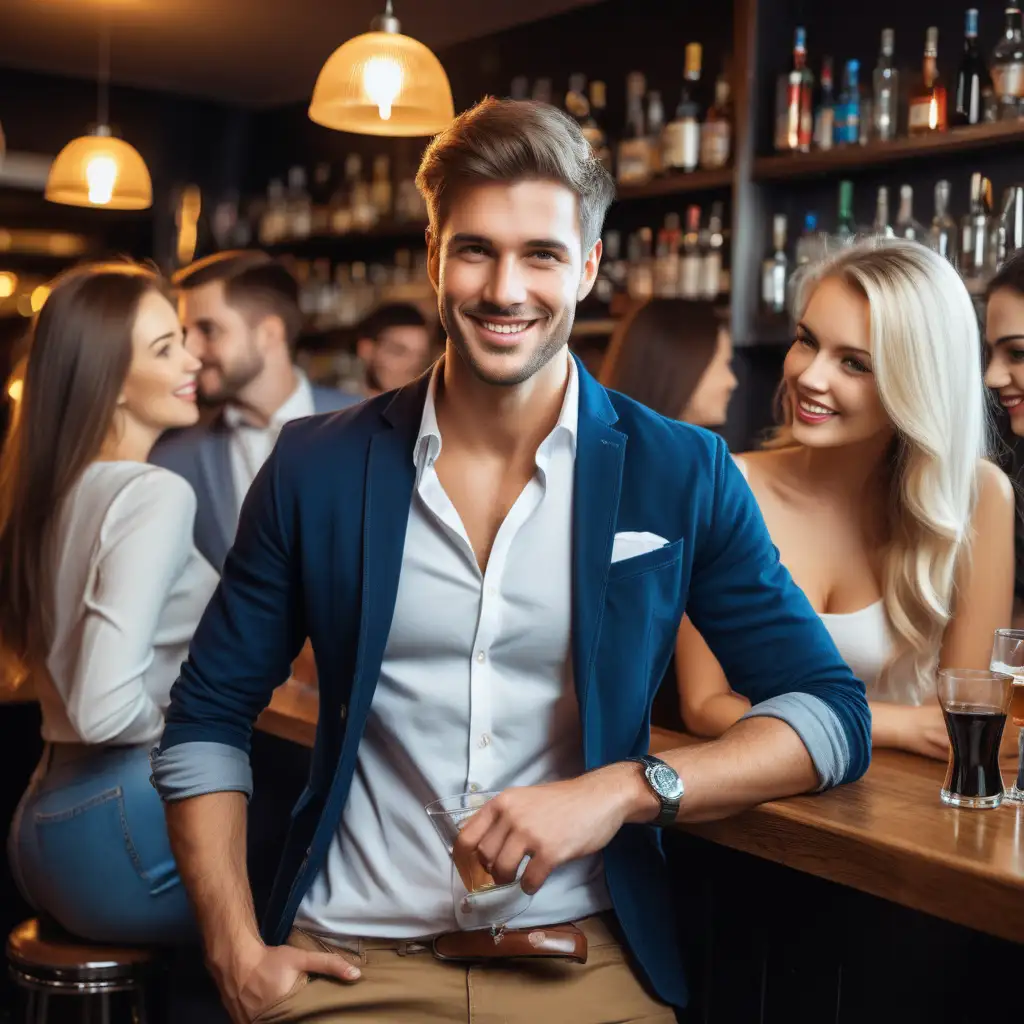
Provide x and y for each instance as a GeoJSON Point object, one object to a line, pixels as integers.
{"type": "Point", "coordinates": [974, 704]}
{"type": "Point", "coordinates": [1008, 657]}
{"type": "Point", "coordinates": [484, 903]}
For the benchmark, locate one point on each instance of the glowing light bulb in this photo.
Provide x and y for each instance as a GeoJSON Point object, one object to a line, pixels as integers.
{"type": "Point", "coordinates": [8, 282]}
{"type": "Point", "coordinates": [382, 82]}
{"type": "Point", "coordinates": [101, 176]}
{"type": "Point", "coordinates": [15, 388]}
{"type": "Point", "coordinates": [38, 297]}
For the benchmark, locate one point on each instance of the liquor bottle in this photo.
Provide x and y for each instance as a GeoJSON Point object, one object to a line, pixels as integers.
{"type": "Point", "coordinates": [690, 264]}
{"type": "Point", "coordinates": [824, 116]}
{"type": "Point", "coordinates": [974, 235]}
{"type": "Point", "coordinates": [847, 117]}
{"type": "Point", "coordinates": [380, 189]}
{"type": "Point", "coordinates": [274, 221]}
{"type": "Point", "coordinates": [1008, 67]}
{"type": "Point", "coordinates": [520, 88]}
{"type": "Point", "coordinates": [809, 245]}
{"type": "Point", "coordinates": [846, 229]}
{"type": "Point", "coordinates": [886, 91]}
{"type": "Point", "coordinates": [716, 131]}
{"type": "Point", "coordinates": [775, 269]}
{"type": "Point", "coordinates": [711, 257]}
{"type": "Point", "coordinates": [615, 266]}
{"type": "Point", "coordinates": [300, 210]}
{"type": "Point", "coordinates": [593, 128]}
{"type": "Point", "coordinates": [364, 213]}
{"type": "Point", "coordinates": [655, 129]}
{"type": "Point", "coordinates": [681, 138]}
{"type": "Point", "coordinates": [795, 118]}
{"type": "Point", "coordinates": [577, 106]}
{"type": "Point", "coordinates": [634, 163]}
{"type": "Point", "coordinates": [321, 196]}
{"type": "Point", "coordinates": [640, 278]}
{"type": "Point", "coordinates": [542, 90]}
{"type": "Point", "coordinates": [928, 102]}
{"type": "Point", "coordinates": [972, 78]}
{"type": "Point", "coordinates": [666, 265]}
{"type": "Point", "coordinates": [881, 225]}
{"type": "Point", "coordinates": [942, 236]}
{"type": "Point", "coordinates": [906, 226]}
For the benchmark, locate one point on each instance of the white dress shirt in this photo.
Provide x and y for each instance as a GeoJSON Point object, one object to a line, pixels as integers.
{"type": "Point", "coordinates": [475, 693]}
{"type": "Point", "coordinates": [130, 588]}
{"type": "Point", "coordinates": [251, 445]}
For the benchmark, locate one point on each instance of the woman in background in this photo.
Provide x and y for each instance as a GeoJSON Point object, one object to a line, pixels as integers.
{"type": "Point", "coordinates": [675, 357]}
{"type": "Point", "coordinates": [877, 492]}
{"type": "Point", "coordinates": [101, 589]}
{"type": "Point", "coordinates": [1004, 373]}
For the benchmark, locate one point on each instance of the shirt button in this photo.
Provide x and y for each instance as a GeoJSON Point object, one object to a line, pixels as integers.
{"type": "Point", "coordinates": [481, 657]}
{"type": "Point", "coordinates": [485, 741]}
{"type": "Point", "coordinates": [474, 787]}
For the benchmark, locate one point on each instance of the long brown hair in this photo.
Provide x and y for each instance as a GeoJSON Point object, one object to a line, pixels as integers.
{"type": "Point", "coordinates": [659, 353]}
{"type": "Point", "coordinates": [79, 355]}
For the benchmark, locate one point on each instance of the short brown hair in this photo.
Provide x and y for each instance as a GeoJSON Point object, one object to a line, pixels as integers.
{"type": "Point", "coordinates": [254, 283]}
{"type": "Point", "coordinates": [516, 140]}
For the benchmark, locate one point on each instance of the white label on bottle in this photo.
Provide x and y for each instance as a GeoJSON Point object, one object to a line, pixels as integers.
{"type": "Point", "coordinates": [680, 147]}
{"type": "Point", "coordinates": [714, 143]}
{"type": "Point", "coordinates": [1008, 80]}
{"type": "Point", "coordinates": [711, 275]}
{"type": "Point", "coordinates": [922, 113]}
{"type": "Point", "coordinates": [634, 161]}
{"type": "Point", "coordinates": [689, 277]}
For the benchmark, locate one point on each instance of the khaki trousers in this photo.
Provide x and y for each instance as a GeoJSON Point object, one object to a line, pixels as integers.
{"type": "Point", "coordinates": [403, 983]}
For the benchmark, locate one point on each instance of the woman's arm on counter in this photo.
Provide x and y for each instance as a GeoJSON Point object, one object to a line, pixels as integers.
{"type": "Point", "coordinates": [707, 703]}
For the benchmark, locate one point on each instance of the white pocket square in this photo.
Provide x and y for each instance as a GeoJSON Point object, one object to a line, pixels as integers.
{"type": "Point", "coordinates": [630, 545]}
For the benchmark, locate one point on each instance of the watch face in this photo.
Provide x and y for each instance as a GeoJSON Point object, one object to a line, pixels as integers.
{"type": "Point", "coordinates": [665, 782]}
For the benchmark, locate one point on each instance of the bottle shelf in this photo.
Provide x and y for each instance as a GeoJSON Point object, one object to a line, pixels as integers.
{"type": "Point", "coordinates": [678, 184]}
{"type": "Point", "coordinates": [410, 232]}
{"type": "Point", "coordinates": [851, 159]}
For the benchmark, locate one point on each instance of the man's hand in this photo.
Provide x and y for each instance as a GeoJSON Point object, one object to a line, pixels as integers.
{"type": "Point", "coordinates": [270, 973]}
{"type": "Point", "coordinates": [556, 823]}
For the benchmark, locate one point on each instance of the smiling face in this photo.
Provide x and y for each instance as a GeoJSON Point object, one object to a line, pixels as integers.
{"type": "Point", "coordinates": [828, 377]}
{"type": "Point", "coordinates": [159, 391]}
{"type": "Point", "coordinates": [508, 268]}
{"type": "Point", "coordinates": [1004, 333]}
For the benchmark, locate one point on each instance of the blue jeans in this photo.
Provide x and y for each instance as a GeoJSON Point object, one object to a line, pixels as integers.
{"type": "Point", "coordinates": [88, 847]}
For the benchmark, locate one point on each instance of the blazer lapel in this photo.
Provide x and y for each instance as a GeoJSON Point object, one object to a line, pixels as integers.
{"type": "Point", "coordinates": [219, 481]}
{"type": "Point", "coordinates": [390, 478]}
{"type": "Point", "coordinates": [600, 453]}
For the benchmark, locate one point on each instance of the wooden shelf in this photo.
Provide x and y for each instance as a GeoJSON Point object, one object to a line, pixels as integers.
{"type": "Point", "coordinates": [678, 184]}
{"type": "Point", "coordinates": [790, 166]}
{"type": "Point", "coordinates": [593, 328]}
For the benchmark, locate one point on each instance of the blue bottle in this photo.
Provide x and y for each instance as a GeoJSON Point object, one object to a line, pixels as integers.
{"type": "Point", "coordinates": [847, 115]}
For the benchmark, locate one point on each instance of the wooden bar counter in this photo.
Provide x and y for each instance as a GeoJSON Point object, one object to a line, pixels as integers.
{"type": "Point", "coordinates": [887, 834]}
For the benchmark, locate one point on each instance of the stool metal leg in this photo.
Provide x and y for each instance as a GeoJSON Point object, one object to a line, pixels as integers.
{"type": "Point", "coordinates": [30, 1007]}
{"type": "Point", "coordinates": [139, 1006]}
{"type": "Point", "coordinates": [42, 1006]}
{"type": "Point", "coordinates": [105, 1008]}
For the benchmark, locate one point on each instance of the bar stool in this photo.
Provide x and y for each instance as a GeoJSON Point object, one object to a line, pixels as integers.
{"type": "Point", "coordinates": [58, 964]}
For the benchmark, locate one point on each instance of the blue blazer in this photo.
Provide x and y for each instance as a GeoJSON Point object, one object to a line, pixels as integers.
{"type": "Point", "coordinates": [202, 455]}
{"type": "Point", "coordinates": [319, 552]}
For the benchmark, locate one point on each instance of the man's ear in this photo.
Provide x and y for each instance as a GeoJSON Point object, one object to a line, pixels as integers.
{"type": "Point", "coordinates": [433, 258]}
{"type": "Point", "coordinates": [589, 275]}
{"type": "Point", "coordinates": [269, 332]}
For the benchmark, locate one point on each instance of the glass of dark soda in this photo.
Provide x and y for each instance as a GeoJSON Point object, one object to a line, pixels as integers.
{"type": "Point", "coordinates": [974, 705]}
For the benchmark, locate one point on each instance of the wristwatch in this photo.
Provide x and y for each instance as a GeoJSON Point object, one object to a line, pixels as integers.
{"type": "Point", "coordinates": [667, 785]}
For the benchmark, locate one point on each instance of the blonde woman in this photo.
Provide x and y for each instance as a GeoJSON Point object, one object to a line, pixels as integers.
{"type": "Point", "coordinates": [877, 492]}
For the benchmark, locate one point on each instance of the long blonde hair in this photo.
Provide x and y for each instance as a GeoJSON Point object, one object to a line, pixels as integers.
{"type": "Point", "coordinates": [926, 356]}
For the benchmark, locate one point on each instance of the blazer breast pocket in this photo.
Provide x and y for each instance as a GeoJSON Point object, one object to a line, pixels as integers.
{"type": "Point", "coordinates": [650, 561]}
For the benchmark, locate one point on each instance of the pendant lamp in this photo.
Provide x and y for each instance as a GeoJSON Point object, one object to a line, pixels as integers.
{"type": "Point", "coordinates": [383, 83]}
{"type": "Point", "coordinates": [98, 169]}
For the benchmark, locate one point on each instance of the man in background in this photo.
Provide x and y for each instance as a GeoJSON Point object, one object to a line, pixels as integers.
{"type": "Point", "coordinates": [240, 311]}
{"type": "Point", "coordinates": [395, 346]}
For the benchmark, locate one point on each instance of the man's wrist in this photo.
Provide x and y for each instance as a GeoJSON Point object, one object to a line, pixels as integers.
{"type": "Point", "coordinates": [640, 805]}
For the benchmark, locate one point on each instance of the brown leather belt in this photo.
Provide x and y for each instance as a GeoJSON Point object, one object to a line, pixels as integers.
{"type": "Point", "coordinates": [559, 941]}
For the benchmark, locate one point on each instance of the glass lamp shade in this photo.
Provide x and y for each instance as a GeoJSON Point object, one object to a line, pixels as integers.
{"type": "Point", "coordinates": [382, 83]}
{"type": "Point", "coordinates": [99, 170]}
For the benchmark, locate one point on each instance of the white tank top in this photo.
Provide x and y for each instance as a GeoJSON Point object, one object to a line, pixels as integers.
{"type": "Point", "coordinates": [866, 642]}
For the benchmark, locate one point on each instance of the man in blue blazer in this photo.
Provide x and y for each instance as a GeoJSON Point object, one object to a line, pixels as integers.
{"type": "Point", "coordinates": [240, 311]}
{"type": "Point", "coordinates": [492, 564]}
